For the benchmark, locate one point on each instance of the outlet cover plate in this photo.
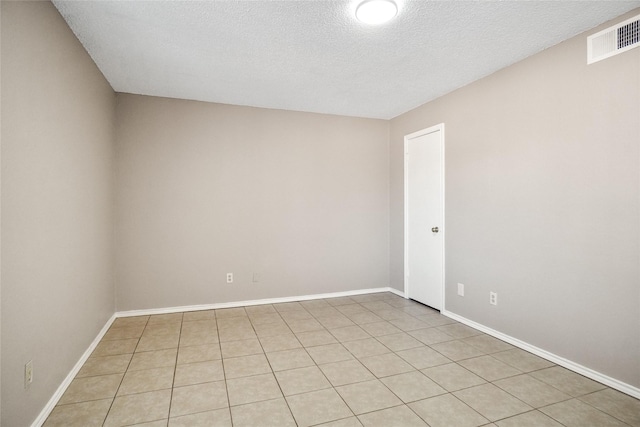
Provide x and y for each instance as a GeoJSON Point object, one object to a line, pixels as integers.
{"type": "Point", "coordinates": [493, 298]}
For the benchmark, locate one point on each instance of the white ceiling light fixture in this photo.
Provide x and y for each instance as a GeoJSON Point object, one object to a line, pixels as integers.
{"type": "Point", "coordinates": [376, 12]}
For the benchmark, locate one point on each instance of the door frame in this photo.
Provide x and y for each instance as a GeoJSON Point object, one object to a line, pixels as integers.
{"type": "Point", "coordinates": [407, 138]}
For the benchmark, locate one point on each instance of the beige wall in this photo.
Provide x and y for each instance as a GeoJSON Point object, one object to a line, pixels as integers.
{"type": "Point", "coordinates": [542, 203]}
{"type": "Point", "coordinates": [204, 189]}
{"type": "Point", "coordinates": [57, 151]}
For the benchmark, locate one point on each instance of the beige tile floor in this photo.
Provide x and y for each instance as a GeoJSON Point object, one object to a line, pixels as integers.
{"type": "Point", "coordinates": [371, 360]}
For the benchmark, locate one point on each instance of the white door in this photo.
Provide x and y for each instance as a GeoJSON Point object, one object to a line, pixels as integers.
{"type": "Point", "coordinates": [424, 216]}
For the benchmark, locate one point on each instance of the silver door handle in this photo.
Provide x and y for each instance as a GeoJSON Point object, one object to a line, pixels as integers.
{"type": "Point", "coordinates": [434, 229]}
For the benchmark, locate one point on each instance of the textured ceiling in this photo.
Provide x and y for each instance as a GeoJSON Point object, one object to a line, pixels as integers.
{"type": "Point", "coordinates": [313, 55]}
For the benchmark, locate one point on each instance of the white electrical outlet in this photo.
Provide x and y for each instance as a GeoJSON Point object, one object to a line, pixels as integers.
{"type": "Point", "coordinates": [461, 289]}
{"type": "Point", "coordinates": [229, 277]}
{"type": "Point", "coordinates": [256, 277]}
{"type": "Point", "coordinates": [28, 374]}
{"type": "Point", "coordinates": [493, 298]}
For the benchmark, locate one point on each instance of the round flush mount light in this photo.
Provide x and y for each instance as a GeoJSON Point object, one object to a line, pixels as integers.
{"type": "Point", "coordinates": [375, 12]}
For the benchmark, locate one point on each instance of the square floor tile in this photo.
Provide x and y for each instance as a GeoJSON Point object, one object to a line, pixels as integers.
{"type": "Point", "coordinates": [115, 347]}
{"type": "Point", "coordinates": [378, 329]}
{"type": "Point", "coordinates": [104, 365]}
{"type": "Point", "coordinates": [397, 416]}
{"type": "Point", "coordinates": [457, 350]}
{"type": "Point", "coordinates": [199, 337]}
{"type": "Point", "coordinates": [489, 368]}
{"type": "Point", "coordinates": [246, 365]}
{"type": "Point", "coordinates": [198, 398]}
{"type": "Point", "coordinates": [522, 360]}
{"type": "Point", "coordinates": [346, 372]}
{"type": "Point", "coordinates": [432, 320]}
{"type": "Point", "coordinates": [567, 381]}
{"type": "Point", "coordinates": [146, 380]}
{"type": "Point", "coordinates": [272, 329]}
{"type": "Point", "coordinates": [531, 391]}
{"type": "Point", "coordinates": [265, 318]}
{"type": "Point", "coordinates": [200, 372]}
{"type": "Point", "coordinates": [305, 325]}
{"type": "Point", "coordinates": [162, 329]}
{"type": "Point", "coordinates": [529, 419]}
{"type": "Point", "coordinates": [279, 342]}
{"type": "Point", "coordinates": [157, 342]}
{"type": "Point", "coordinates": [345, 422]}
{"type": "Point", "coordinates": [400, 341]}
{"type": "Point", "coordinates": [302, 380]}
{"type": "Point", "coordinates": [122, 322]}
{"type": "Point", "coordinates": [259, 309]}
{"type": "Point", "coordinates": [412, 386]}
{"type": "Point", "coordinates": [83, 414]}
{"type": "Point", "coordinates": [236, 334]}
{"type": "Point", "coordinates": [91, 388]}
{"type": "Point", "coordinates": [389, 314]}
{"type": "Point", "coordinates": [385, 365]}
{"type": "Point", "coordinates": [158, 423]}
{"type": "Point", "coordinates": [574, 413]}
{"type": "Point", "coordinates": [199, 353]}
{"type": "Point", "coordinates": [241, 348]}
{"type": "Point", "coordinates": [201, 325]}
{"type": "Point", "coordinates": [492, 402]}
{"type": "Point", "coordinates": [447, 411]}
{"type": "Point", "coordinates": [408, 324]}
{"type": "Point", "coordinates": [349, 333]}
{"type": "Point", "coordinates": [430, 336]}
{"type": "Point", "coordinates": [459, 331]}
{"type": "Point", "coordinates": [363, 317]}
{"type": "Point", "coordinates": [368, 396]}
{"type": "Point", "coordinates": [329, 353]}
{"type": "Point", "coordinates": [139, 408]}
{"type": "Point", "coordinates": [153, 359]}
{"type": "Point", "coordinates": [295, 315]}
{"type": "Point", "coordinates": [217, 418]}
{"type": "Point", "coordinates": [616, 404]}
{"type": "Point", "coordinates": [292, 315]}
{"type": "Point", "coordinates": [337, 321]}
{"type": "Point", "coordinates": [453, 376]}
{"type": "Point", "coordinates": [268, 413]}
{"type": "Point", "coordinates": [487, 343]}
{"type": "Point", "coordinates": [234, 323]}
{"type": "Point", "coordinates": [165, 318]}
{"type": "Point", "coordinates": [124, 333]}
{"type": "Point", "coordinates": [253, 389]}
{"type": "Point", "coordinates": [289, 359]}
{"type": "Point", "coordinates": [318, 407]}
{"type": "Point", "coordinates": [313, 338]}
{"type": "Point", "coordinates": [223, 313]}
{"type": "Point", "coordinates": [365, 348]}
{"type": "Point", "coordinates": [423, 357]}
{"type": "Point", "coordinates": [199, 315]}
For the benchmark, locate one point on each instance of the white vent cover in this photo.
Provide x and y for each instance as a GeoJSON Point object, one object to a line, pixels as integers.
{"type": "Point", "coordinates": [613, 40]}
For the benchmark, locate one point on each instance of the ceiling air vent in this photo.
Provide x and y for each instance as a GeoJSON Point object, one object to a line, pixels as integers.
{"type": "Point", "coordinates": [613, 40]}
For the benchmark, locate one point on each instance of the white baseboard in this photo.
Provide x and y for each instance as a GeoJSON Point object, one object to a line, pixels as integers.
{"type": "Point", "coordinates": [558, 360]}
{"type": "Point", "coordinates": [46, 411]}
{"type": "Point", "coordinates": [168, 310]}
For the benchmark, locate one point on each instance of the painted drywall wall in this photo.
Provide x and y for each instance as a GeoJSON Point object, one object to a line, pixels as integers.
{"type": "Point", "coordinates": [299, 199]}
{"type": "Point", "coordinates": [57, 204]}
{"type": "Point", "coordinates": [542, 203]}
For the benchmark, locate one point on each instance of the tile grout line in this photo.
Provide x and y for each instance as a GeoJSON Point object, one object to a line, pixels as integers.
{"type": "Point", "coordinates": [125, 372]}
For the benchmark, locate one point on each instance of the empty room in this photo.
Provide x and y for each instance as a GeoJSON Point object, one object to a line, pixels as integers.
{"type": "Point", "coordinates": [320, 213]}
